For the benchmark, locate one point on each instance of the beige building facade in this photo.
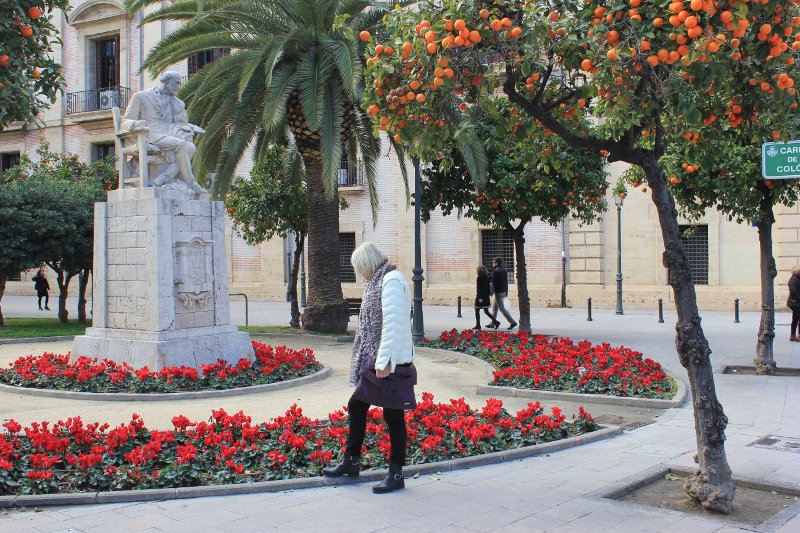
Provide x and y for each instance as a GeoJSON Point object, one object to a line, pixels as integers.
{"type": "Point", "coordinates": [102, 52]}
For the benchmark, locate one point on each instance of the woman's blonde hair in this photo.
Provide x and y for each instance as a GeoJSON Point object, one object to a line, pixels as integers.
{"type": "Point", "coordinates": [366, 259]}
{"type": "Point", "coordinates": [796, 269]}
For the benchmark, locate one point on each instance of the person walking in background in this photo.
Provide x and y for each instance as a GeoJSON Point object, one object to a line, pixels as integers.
{"type": "Point", "coordinates": [500, 282]}
{"type": "Point", "coordinates": [794, 302]}
{"type": "Point", "coordinates": [42, 287]}
{"type": "Point", "coordinates": [382, 368]}
{"type": "Point", "coordinates": [483, 298]}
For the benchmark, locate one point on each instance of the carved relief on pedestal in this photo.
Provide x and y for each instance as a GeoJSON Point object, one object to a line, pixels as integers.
{"type": "Point", "coordinates": [193, 274]}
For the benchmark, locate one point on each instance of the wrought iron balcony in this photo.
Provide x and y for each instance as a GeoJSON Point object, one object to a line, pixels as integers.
{"type": "Point", "coordinates": [351, 174]}
{"type": "Point", "coordinates": [97, 99]}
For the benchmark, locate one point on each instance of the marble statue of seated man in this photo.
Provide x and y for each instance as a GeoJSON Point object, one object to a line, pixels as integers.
{"type": "Point", "coordinates": [160, 114]}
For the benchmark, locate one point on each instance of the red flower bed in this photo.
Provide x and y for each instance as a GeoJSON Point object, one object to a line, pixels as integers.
{"type": "Point", "coordinates": [560, 364]}
{"type": "Point", "coordinates": [85, 374]}
{"type": "Point", "coordinates": [71, 456]}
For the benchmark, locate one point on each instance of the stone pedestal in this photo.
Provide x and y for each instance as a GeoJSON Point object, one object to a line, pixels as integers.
{"type": "Point", "coordinates": [160, 282]}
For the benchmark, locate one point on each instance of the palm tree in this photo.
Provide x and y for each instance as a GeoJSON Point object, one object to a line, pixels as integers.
{"type": "Point", "coordinates": [296, 65]}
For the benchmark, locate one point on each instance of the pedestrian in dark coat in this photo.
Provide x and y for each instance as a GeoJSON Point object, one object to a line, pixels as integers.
{"type": "Point", "coordinates": [794, 302]}
{"type": "Point", "coordinates": [483, 297]}
{"type": "Point", "coordinates": [500, 281]}
{"type": "Point", "coordinates": [42, 286]}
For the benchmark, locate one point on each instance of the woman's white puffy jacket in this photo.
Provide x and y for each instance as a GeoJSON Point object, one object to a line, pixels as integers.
{"type": "Point", "coordinates": [396, 345]}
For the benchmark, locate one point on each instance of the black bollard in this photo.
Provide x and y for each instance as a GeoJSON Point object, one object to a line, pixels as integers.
{"type": "Point", "coordinates": [459, 307]}
{"type": "Point", "coordinates": [736, 311]}
{"type": "Point", "coordinates": [589, 303]}
{"type": "Point", "coordinates": [660, 311]}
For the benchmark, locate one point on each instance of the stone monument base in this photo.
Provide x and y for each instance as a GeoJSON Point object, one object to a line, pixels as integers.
{"type": "Point", "coordinates": [184, 347]}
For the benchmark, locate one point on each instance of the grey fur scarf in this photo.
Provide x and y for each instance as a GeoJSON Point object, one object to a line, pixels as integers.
{"type": "Point", "coordinates": [370, 320]}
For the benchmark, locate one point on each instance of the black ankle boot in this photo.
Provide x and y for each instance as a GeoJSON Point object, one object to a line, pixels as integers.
{"type": "Point", "coordinates": [477, 326]}
{"type": "Point", "coordinates": [393, 481]}
{"type": "Point", "coordinates": [350, 466]}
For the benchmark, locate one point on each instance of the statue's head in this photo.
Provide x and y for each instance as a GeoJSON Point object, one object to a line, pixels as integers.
{"type": "Point", "coordinates": [170, 82]}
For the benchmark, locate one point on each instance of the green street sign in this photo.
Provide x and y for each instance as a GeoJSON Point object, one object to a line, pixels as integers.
{"type": "Point", "coordinates": [780, 160]}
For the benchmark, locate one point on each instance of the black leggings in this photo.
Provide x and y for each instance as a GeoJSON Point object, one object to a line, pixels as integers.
{"type": "Point", "coordinates": [395, 419]}
{"type": "Point", "coordinates": [46, 300]}
{"type": "Point", "coordinates": [795, 319]}
{"type": "Point", "coordinates": [478, 316]}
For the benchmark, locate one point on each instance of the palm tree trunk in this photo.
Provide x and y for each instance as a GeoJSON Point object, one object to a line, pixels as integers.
{"type": "Point", "coordinates": [711, 484]}
{"type": "Point", "coordinates": [764, 360]}
{"type": "Point", "coordinates": [326, 309]}
{"type": "Point", "coordinates": [294, 321]}
{"type": "Point", "coordinates": [518, 235]}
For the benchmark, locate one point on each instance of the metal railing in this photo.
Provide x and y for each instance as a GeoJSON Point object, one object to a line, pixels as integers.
{"type": "Point", "coordinates": [246, 307]}
{"type": "Point", "coordinates": [351, 174]}
{"type": "Point", "coordinates": [97, 99]}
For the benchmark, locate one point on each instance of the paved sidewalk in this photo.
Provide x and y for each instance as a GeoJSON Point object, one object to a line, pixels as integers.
{"type": "Point", "coordinates": [548, 493]}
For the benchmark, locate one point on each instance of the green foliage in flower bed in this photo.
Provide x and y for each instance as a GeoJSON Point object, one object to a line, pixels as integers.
{"type": "Point", "coordinates": [71, 456]}
{"type": "Point", "coordinates": [84, 374]}
{"type": "Point", "coordinates": [559, 364]}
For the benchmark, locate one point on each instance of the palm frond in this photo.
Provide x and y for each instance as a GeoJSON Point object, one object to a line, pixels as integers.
{"type": "Point", "coordinates": [330, 132]}
{"type": "Point", "coordinates": [312, 73]}
{"type": "Point", "coordinates": [368, 147]}
{"type": "Point", "coordinates": [293, 168]}
{"type": "Point", "coordinates": [347, 62]}
{"type": "Point", "coordinates": [282, 84]}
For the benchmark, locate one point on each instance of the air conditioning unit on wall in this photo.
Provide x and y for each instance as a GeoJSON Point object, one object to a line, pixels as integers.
{"type": "Point", "coordinates": [108, 99]}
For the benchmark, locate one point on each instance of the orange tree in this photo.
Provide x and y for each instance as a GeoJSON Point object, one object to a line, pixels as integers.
{"type": "Point", "coordinates": [729, 179]}
{"type": "Point", "coordinates": [632, 63]}
{"type": "Point", "coordinates": [530, 174]}
{"type": "Point", "coordinates": [29, 78]}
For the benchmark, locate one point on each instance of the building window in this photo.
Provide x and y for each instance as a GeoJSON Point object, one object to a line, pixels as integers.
{"type": "Point", "coordinates": [102, 150]}
{"type": "Point", "coordinates": [498, 243]}
{"type": "Point", "coordinates": [198, 61]}
{"type": "Point", "coordinates": [8, 160]}
{"type": "Point", "coordinates": [347, 245]}
{"type": "Point", "coordinates": [14, 276]}
{"type": "Point", "coordinates": [106, 69]}
{"type": "Point", "coordinates": [695, 242]}
{"type": "Point", "coordinates": [351, 173]}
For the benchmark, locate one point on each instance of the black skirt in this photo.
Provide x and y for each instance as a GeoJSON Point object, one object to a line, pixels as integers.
{"type": "Point", "coordinates": [393, 392]}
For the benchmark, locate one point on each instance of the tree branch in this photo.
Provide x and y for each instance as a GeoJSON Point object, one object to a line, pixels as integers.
{"type": "Point", "coordinates": [617, 151]}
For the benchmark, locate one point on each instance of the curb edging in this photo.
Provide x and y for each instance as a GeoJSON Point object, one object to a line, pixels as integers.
{"type": "Point", "coordinates": [145, 495]}
{"type": "Point", "coordinates": [166, 396]}
{"type": "Point", "coordinates": [23, 340]}
{"type": "Point", "coordinates": [619, 488]}
{"type": "Point", "coordinates": [538, 394]}
{"type": "Point", "coordinates": [331, 338]}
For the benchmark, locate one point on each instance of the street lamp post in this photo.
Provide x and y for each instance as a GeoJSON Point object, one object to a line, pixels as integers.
{"type": "Point", "coordinates": [618, 199]}
{"type": "Point", "coordinates": [564, 262]}
{"type": "Point", "coordinates": [418, 326]}
{"type": "Point", "coordinates": [303, 277]}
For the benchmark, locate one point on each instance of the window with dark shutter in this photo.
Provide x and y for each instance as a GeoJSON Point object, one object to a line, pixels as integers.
{"type": "Point", "coordinates": [347, 245]}
{"type": "Point", "coordinates": [695, 242]}
{"type": "Point", "coordinates": [107, 62]}
{"type": "Point", "coordinates": [498, 243]}
{"type": "Point", "coordinates": [201, 59]}
{"type": "Point", "coordinates": [102, 150]}
{"type": "Point", "coordinates": [8, 160]}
